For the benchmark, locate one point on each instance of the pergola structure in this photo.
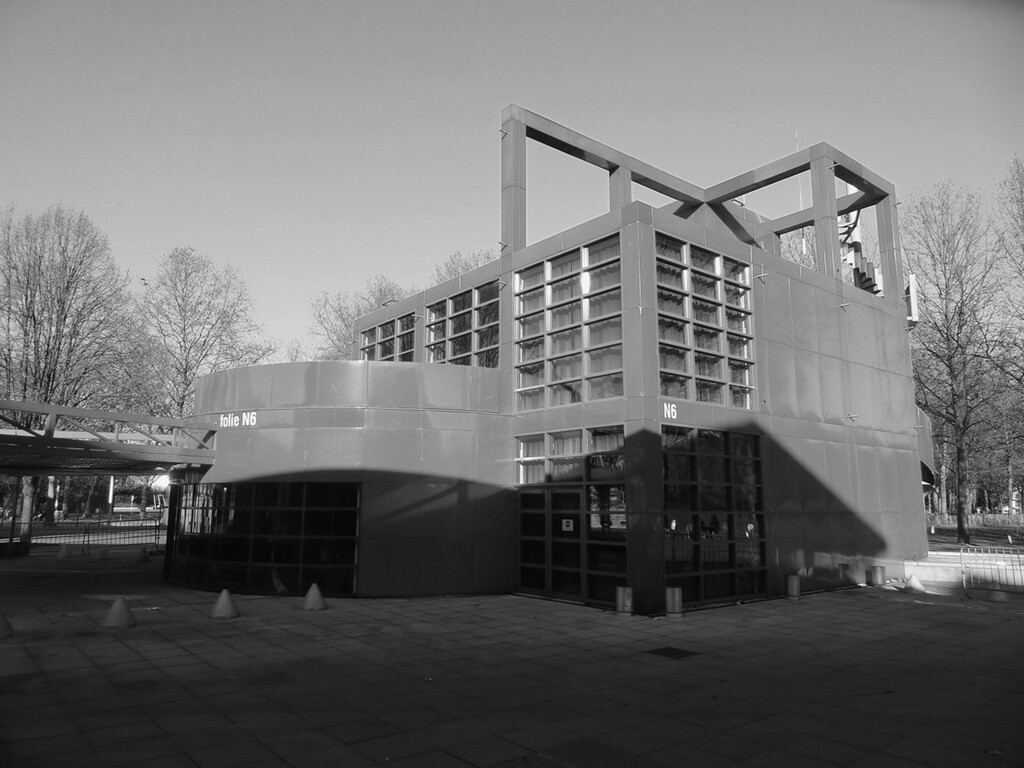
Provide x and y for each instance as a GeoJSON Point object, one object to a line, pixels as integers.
{"type": "Point", "coordinates": [79, 441]}
{"type": "Point", "coordinates": [824, 163]}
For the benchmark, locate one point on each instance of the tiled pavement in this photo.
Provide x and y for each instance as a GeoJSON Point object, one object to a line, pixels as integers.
{"type": "Point", "coordinates": [870, 677]}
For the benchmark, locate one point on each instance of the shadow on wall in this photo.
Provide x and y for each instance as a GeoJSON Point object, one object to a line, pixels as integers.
{"type": "Point", "coordinates": [396, 534]}
{"type": "Point", "coordinates": [834, 510]}
{"type": "Point", "coordinates": [831, 511]}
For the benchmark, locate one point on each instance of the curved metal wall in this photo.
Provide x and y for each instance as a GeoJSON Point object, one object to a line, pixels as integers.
{"type": "Point", "coordinates": [425, 444]}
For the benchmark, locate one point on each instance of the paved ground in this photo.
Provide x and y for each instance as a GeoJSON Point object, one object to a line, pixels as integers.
{"type": "Point", "coordinates": [869, 677]}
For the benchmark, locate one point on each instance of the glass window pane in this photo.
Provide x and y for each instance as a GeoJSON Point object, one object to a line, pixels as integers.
{"type": "Point", "coordinates": [436, 353]}
{"type": "Point", "coordinates": [487, 292]}
{"type": "Point", "coordinates": [670, 274]}
{"type": "Point", "coordinates": [530, 472]}
{"type": "Point", "coordinates": [530, 278]}
{"type": "Point", "coordinates": [387, 329]}
{"type": "Point", "coordinates": [739, 397]}
{"type": "Point", "coordinates": [605, 304]}
{"type": "Point", "coordinates": [736, 296]}
{"type": "Point", "coordinates": [737, 321]}
{"type": "Point", "coordinates": [460, 324]}
{"type": "Point", "coordinates": [564, 290]}
{"type": "Point", "coordinates": [530, 375]}
{"type": "Point", "coordinates": [606, 467]}
{"type": "Point", "coordinates": [677, 438]}
{"type": "Point", "coordinates": [603, 277]}
{"type": "Point", "coordinates": [709, 392]}
{"type": "Point", "coordinates": [567, 470]}
{"type": "Point", "coordinates": [566, 393]}
{"type": "Point", "coordinates": [606, 359]}
{"type": "Point", "coordinates": [565, 264]}
{"type": "Point", "coordinates": [488, 358]}
{"type": "Point", "coordinates": [739, 373]}
{"type": "Point", "coordinates": [604, 331]}
{"type": "Point", "coordinates": [672, 330]}
{"type": "Point", "coordinates": [461, 302]}
{"type": "Point", "coordinates": [436, 332]}
{"type": "Point", "coordinates": [601, 387]}
{"type": "Point", "coordinates": [406, 323]}
{"type": "Point", "coordinates": [568, 443]}
{"type": "Point", "coordinates": [566, 368]}
{"type": "Point", "coordinates": [530, 325]}
{"type": "Point", "coordinates": [530, 446]}
{"type": "Point", "coordinates": [707, 365]}
{"type": "Point", "coordinates": [531, 400]}
{"type": "Point", "coordinates": [437, 311]}
{"type": "Point", "coordinates": [705, 338]}
{"type": "Point", "coordinates": [704, 286]}
{"type": "Point", "coordinates": [705, 313]}
{"type": "Point", "coordinates": [603, 250]}
{"type": "Point", "coordinates": [530, 350]}
{"type": "Point", "coordinates": [566, 341]}
{"type": "Point", "coordinates": [487, 314]}
{"type": "Point", "coordinates": [674, 386]}
{"type": "Point", "coordinates": [607, 438]}
{"type": "Point", "coordinates": [405, 342]}
{"type": "Point", "coordinates": [739, 346]}
{"type": "Point", "coordinates": [369, 337]}
{"type": "Point", "coordinates": [671, 302]}
{"type": "Point", "coordinates": [386, 348]}
{"type": "Point", "coordinates": [737, 271]}
{"type": "Point", "coordinates": [607, 498]}
{"type": "Point", "coordinates": [488, 337]}
{"type": "Point", "coordinates": [668, 247]}
{"type": "Point", "coordinates": [565, 315]}
{"type": "Point", "coordinates": [564, 501]}
{"type": "Point", "coordinates": [672, 358]}
{"type": "Point", "coordinates": [703, 259]}
{"type": "Point", "coordinates": [461, 345]}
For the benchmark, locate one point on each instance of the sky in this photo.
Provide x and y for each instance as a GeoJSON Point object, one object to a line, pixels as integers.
{"type": "Point", "coordinates": [312, 145]}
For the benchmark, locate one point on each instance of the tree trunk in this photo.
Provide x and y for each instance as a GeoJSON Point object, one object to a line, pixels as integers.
{"type": "Point", "coordinates": [28, 505]}
{"type": "Point", "coordinates": [963, 535]}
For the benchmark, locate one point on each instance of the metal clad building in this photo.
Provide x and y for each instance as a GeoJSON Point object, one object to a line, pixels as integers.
{"type": "Point", "coordinates": [654, 398]}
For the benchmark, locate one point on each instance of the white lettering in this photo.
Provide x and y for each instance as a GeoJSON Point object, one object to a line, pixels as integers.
{"type": "Point", "coordinates": [669, 410]}
{"type": "Point", "coordinates": [246, 419]}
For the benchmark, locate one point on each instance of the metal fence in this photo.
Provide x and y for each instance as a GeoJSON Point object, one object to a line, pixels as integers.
{"type": "Point", "coordinates": [95, 534]}
{"type": "Point", "coordinates": [992, 567]}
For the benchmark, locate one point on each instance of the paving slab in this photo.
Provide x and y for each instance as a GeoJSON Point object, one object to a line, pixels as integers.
{"type": "Point", "coordinates": [870, 676]}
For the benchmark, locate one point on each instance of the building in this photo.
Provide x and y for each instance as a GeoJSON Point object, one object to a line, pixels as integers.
{"type": "Point", "coordinates": [653, 398]}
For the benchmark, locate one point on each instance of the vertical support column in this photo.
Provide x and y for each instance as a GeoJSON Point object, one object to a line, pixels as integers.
{"type": "Point", "coordinates": [513, 183]}
{"type": "Point", "coordinates": [889, 249]}
{"type": "Point", "coordinates": [644, 482]}
{"type": "Point", "coordinates": [620, 187]}
{"type": "Point", "coordinates": [826, 219]}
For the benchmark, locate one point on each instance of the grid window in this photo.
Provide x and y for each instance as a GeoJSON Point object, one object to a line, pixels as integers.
{"type": "Point", "coordinates": [714, 523]}
{"type": "Point", "coordinates": [557, 286]}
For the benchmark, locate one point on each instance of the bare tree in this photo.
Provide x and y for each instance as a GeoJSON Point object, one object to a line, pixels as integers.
{"type": "Point", "coordinates": [960, 334]}
{"type": "Point", "coordinates": [335, 315]}
{"type": "Point", "coordinates": [200, 319]}
{"type": "Point", "coordinates": [64, 314]}
{"type": "Point", "coordinates": [458, 264]}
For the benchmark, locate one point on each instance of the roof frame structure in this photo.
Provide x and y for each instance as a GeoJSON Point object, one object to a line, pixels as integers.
{"type": "Point", "coordinates": [824, 162]}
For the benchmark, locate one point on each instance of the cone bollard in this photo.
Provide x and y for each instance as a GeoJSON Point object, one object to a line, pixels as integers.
{"type": "Point", "coordinates": [119, 616]}
{"type": "Point", "coordinates": [224, 608]}
{"type": "Point", "coordinates": [914, 586]}
{"type": "Point", "coordinates": [65, 552]}
{"type": "Point", "coordinates": [6, 630]}
{"type": "Point", "coordinates": [143, 555]}
{"type": "Point", "coordinates": [314, 600]}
